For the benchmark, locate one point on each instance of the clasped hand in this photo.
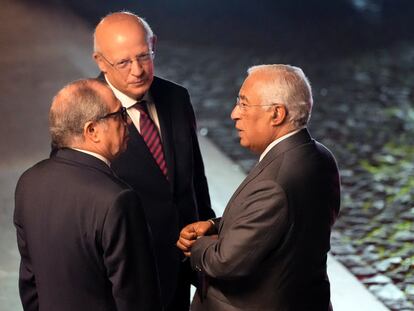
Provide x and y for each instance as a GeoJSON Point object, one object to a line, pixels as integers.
{"type": "Point", "coordinates": [190, 233]}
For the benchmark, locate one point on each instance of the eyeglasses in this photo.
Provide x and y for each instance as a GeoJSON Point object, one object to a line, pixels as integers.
{"type": "Point", "coordinates": [243, 106]}
{"type": "Point", "coordinates": [125, 64]}
{"type": "Point", "coordinates": [122, 112]}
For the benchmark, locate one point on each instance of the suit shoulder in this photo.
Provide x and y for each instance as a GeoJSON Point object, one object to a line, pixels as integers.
{"type": "Point", "coordinates": [34, 170]}
{"type": "Point", "coordinates": [161, 83]}
{"type": "Point", "coordinates": [324, 151]}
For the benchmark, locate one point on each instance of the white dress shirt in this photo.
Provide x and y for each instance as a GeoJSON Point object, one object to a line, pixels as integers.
{"type": "Point", "coordinates": [275, 142]}
{"type": "Point", "coordinates": [96, 155]}
{"type": "Point", "coordinates": [133, 112]}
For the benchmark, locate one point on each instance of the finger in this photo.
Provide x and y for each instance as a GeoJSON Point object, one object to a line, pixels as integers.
{"type": "Point", "coordinates": [182, 247]}
{"type": "Point", "coordinates": [188, 235]}
{"type": "Point", "coordinates": [186, 243]}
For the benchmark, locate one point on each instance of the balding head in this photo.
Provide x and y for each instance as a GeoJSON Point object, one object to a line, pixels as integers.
{"type": "Point", "coordinates": [74, 105]}
{"type": "Point", "coordinates": [124, 51]}
{"type": "Point", "coordinates": [113, 26]}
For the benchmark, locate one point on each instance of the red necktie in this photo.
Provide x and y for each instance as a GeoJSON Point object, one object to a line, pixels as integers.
{"type": "Point", "coordinates": [149, 133]}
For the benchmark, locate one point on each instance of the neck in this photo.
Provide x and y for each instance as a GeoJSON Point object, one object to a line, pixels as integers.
{"type": "Point", "coordinates": [93, 153]}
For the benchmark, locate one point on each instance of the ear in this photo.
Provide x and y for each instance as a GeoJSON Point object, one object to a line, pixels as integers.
{"type": "Point", "coordinates": [153, 42]}
{"type": "Point", "coordinates": [99, 61]}
{"type": "Point", "coordinates": [91, 132]}
{"type": "Point", "coordinates": [279, 115]}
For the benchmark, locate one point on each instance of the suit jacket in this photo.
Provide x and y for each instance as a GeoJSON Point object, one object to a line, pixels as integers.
{"type": "Point", "coordinates": [182, 199]}
{"type": "Point", "coordinates": [274, 235]}
{"type": "Point", "coordinates": [83, 239]}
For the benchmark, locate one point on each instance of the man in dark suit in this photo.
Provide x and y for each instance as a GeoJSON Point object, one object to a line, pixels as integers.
{"type": "Point", "coordinates": [163, 161]}
{"type": "Point", "coordinates": [81, 231]}
{"type": "Point", "coordinates": [269, 249]}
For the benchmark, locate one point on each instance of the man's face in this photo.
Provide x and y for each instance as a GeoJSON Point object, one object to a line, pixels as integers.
{"type": "Point", "coordinates": [114, 129]}
{"type": "Point", "coordinates": [119, 45]}
{"type": "Point", "coordinates": [252, 122]}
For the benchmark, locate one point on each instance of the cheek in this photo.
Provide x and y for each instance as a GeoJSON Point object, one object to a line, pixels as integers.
{"type": "Point", "coordinates": [121, 130]}
{"type": "Point", "coordinates": [149, 69]}
{"type": "Point", "coordinates": [116, 80]}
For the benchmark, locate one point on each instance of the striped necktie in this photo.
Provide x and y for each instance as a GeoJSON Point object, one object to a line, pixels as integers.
{"type": "Point", "coordinates": [149, 133]}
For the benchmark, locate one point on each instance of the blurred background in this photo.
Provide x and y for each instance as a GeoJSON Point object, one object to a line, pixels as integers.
{"type": "Point", "coordinates": [358, 55]}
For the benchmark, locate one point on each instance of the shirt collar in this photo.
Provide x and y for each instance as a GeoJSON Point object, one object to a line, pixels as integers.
{"type": "Point", "coordinates": [96, 155]}
{"type": "Point", "coordinates": [275, 142]}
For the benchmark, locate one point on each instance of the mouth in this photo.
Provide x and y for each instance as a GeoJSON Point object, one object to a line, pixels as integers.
{"type": "Point", "coordinates": [138, 83]}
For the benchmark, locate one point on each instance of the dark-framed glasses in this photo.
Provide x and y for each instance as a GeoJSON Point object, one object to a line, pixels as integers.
{"type": "Point", "coordinates": [122, 112]}
{"type": "Point", "coordinates": [124, 65]}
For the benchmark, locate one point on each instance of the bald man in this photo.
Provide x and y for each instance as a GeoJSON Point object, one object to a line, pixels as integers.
{"type": "Point", "coordinates": [163, 161]}
{"type": "Point", "coordinates": [81, 232]}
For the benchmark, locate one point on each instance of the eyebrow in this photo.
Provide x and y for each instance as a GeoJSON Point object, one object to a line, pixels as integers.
{"type": "Point", "coordinates": [243, 97]}
{"type": "Point", "coordinates": [137, 55]}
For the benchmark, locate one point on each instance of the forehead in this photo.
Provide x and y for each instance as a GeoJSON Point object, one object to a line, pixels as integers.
{"type": "Point", "coordinates": [250, 88]}
{"type": "Point", "coordinates": [122, 38]}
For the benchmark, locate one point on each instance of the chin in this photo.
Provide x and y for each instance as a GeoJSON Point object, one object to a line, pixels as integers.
{"type": "Point", "coordinates": [243, 143]}
{"type": "Point", "coordinates": [139, 91]}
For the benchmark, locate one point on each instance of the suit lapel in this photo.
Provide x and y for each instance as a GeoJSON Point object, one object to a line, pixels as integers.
{"type": "Point", "coordinates": [138, 147]}
{"type": "Point", "coordinates": [302, 137]}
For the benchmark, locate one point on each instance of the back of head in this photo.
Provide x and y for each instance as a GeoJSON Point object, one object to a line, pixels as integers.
{"type": "Point", "coordinates": [73, 106]}
{"type": "Point", "coordinates": [287, 85]}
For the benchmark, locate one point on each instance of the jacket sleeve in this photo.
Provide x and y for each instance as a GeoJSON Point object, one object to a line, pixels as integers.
{"type": "Point", "coordinates": [199, 179]}
{"type": "Point", "coordinates": [27, 280]}
{"type": "Point", "coordinates": [256, 229]}
{"type": "Point", "coordinates": [129, 256]}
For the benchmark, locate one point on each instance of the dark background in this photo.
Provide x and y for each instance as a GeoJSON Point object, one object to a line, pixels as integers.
{"type": "Point", "coordinates": [330, 27]}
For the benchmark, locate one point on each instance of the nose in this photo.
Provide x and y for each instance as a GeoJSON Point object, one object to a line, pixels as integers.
{"type": "Point", "coordinates": [136, 68]}
{"type": "Point", "coordinates": [235, 113]}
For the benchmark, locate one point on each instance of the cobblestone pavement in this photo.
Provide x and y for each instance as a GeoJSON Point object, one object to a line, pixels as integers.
{"type": "Point", "coordinates": [356, 116]}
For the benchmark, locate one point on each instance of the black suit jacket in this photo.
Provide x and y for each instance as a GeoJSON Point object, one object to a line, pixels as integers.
{"type": "Point", "coordinates": [182, 199]}
{"type": "Point", "coordinates": [83, 239]}
{"type": "Point", "coordinates": [274, 235]}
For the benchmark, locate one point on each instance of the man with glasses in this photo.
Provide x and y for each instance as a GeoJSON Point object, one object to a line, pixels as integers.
{"type": "Point", "coordinates": [81, 232]}
{"type": "Point", "coordinates": [269, 250]}
{"type": "Point", "coordinates": [163, 161]}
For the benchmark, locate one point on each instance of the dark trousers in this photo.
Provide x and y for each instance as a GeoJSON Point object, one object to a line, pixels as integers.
{"type": "Point", "coordinates": [181, 299]}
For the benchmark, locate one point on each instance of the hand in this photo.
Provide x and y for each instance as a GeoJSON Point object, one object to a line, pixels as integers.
{"type": "Point", "coordinates": [190, 233]}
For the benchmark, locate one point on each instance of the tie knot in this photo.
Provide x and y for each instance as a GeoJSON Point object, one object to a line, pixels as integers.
{"type": "Point", "coordinates": [142, 106]}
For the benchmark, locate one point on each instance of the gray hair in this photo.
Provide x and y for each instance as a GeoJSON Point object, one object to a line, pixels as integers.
{"type": "Point", "coordinates": [73, 106]}
{"type": "Point", "coordinates": [289, 86]}
{"type": "Point", "coordinates": [148, 31]}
